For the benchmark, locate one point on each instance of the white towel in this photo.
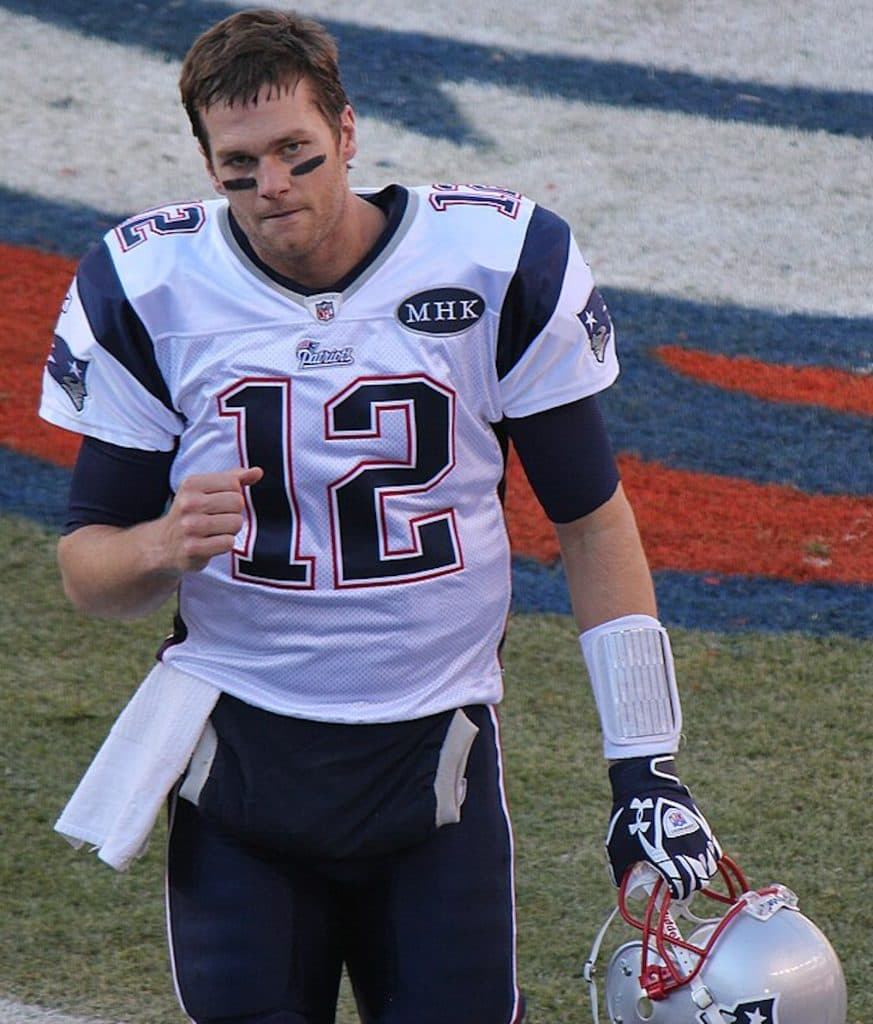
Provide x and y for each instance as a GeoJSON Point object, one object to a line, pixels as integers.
{"type": "Point", "coordinates": [117, 802]}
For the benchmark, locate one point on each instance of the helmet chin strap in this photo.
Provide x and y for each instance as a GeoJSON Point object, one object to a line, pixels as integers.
{"type": "Point", "coordinates": [641, 876]}
{"type": "Point", "coordinates": [644, 876]}
{"type": "Point", "coordinates": [589, 971]}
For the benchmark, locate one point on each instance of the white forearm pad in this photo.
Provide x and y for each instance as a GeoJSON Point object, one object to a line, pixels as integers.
{"type": "Point", "coordinates": [630, 663]}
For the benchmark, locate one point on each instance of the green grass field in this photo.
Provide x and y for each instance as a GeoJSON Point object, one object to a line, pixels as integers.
{"type": "Point", "coordinates": [777, 751]}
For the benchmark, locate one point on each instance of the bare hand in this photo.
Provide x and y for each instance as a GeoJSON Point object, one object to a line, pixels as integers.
{"type": "Point", "coordinates": [205, 517]}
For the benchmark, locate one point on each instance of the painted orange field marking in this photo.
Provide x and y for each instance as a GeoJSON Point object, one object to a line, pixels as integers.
{"type": "Point", "coordinates": [32, 287]}
{"type": "Point", "coordinates": [701, 522]}
{"type": "Point", "coordinates": [806, 385]}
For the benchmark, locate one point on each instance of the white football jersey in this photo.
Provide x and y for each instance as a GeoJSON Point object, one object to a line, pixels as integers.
{"type": "Point", "coordinates": [371, 581]}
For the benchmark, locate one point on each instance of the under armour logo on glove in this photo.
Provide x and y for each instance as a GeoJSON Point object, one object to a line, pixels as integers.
{"type": "Point", "coordinates": [654, 819]}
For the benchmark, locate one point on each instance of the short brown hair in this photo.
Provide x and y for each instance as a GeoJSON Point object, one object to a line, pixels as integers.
{"type": "Point", "coordinates": [232, 61]}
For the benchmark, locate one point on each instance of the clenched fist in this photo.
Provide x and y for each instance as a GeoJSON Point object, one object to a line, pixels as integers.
{"type": "Point", "coordinates": [205, 517]}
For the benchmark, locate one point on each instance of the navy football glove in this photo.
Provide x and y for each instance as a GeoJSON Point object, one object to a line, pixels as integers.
{"type": "Point", "coordinates": [654, 819]}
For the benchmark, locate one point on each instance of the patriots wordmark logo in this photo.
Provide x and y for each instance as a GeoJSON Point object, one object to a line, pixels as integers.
{"type": "Point", "coordinates": [68, 371]}
{"type": "Point", "coordinates": [597, 322]}
{"type": "Point", "coordinates": [753, 1011]}
{"type": "Point", "coordinates": [310, 354]}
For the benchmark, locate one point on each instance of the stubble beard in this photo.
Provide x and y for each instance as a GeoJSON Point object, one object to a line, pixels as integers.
{"type": "Point", "coordinates": [313, 258]}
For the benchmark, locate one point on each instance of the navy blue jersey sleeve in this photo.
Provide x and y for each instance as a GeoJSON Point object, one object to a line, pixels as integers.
{"type": "Point", "coordinates": [567, 457]}
{"type": "Point", "coordinates": [535, 286]}
{"type": "Point", "coordinates": [115, 323]}
{"type": "Point", "coordinates": [117, 486]}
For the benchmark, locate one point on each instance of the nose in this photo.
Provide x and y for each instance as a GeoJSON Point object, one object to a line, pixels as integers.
{"type": "Point", "coordinates": [273, 177]}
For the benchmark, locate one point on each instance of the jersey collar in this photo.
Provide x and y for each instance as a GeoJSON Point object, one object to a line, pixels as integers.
{"type": "Point", "coordinates": [395, 201]}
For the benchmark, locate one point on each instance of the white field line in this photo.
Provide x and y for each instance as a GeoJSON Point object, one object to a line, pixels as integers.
{"type": "Point", "coordinates": [12, 1012]}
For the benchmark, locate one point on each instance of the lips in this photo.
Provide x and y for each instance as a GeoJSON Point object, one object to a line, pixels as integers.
{"type": "Point", "coordinates": [278, 214]}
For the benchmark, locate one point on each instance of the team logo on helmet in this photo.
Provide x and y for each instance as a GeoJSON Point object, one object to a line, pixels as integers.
{"type": "Point", "coordinates": [68, 371]}
{"type": "Point", "coordinates": [597, 322]}
{"type": "Point", "coordinates": [756, 1011]}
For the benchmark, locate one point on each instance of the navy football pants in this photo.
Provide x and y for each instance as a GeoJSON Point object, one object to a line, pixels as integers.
{"type": "Point", "coordinates": [427, 933]}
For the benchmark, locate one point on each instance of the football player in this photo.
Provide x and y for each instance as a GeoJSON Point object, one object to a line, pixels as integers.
{"type": "Point", "coordinates": [296, 401]}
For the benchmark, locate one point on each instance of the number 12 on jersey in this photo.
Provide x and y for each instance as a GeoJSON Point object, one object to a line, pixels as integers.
{"type": "Point", "coordinates": [359, 502]}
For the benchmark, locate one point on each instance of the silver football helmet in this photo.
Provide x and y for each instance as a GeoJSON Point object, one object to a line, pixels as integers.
{"type": "Point", "coordinates": [760, 962]}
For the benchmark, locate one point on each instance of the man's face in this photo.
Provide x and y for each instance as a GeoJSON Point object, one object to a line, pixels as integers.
{"type": "Point", "coordinates": [284, 173]}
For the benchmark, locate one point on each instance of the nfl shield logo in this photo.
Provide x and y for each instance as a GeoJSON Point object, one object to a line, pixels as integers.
{"type": "Point", "coordinates": [324, 307]}
{"type": "Point", "coordinates": [325, 310]}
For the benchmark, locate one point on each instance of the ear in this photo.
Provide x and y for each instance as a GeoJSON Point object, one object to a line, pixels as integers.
{"type": "Point", "coordinates": [348, 141]}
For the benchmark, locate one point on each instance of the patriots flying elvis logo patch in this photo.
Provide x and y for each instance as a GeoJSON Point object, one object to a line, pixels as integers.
{"type": "Point", "coordinates": [597, 322]}
{"type": "Point", "coordinates": [68, 371]}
